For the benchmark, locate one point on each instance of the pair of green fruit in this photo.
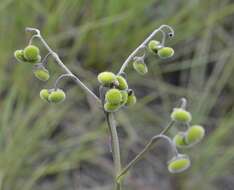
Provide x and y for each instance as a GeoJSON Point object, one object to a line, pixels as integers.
{"type": "Point", "coordinates": [53, 96]}
{"type": "Point", "coordinates": [30, 54]}
{"type": "Point", "coordinates": [163, 52]}
{"type": "Point", "coordinates": [156, 48]}
{"type": "Point", "coordinates": [193, 135]}
{"type": "Point", "coordinates": [119, 94]}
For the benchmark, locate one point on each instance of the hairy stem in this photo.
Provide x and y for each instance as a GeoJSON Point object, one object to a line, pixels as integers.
{"type": "Point", "coordinates": [115, 148]}
{"type": "Point", "coordinates": [60, 63]}
{"type": "Point", "coordinates": [144, 43]}
{"type": "Point", "coordinates": [145, 150]}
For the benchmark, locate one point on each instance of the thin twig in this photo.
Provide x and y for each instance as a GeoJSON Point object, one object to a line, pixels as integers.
{"type": "Point", "coordinates": [144, 43]}
{"type": "Point", "coordinates": [60, 63]}
{"type": "Point", "coordinates": [115, 147]}
{"type": "Point", "coordinates": [146, 149]}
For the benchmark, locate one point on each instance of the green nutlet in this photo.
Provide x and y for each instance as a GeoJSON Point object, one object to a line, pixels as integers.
{"type": "Point", "coordinates": [57, 96]}
{"type": "Point", "coordinates": [179, 164]}
{"type": "Point", "coordinates": [179, 140]}
{"type": "Point", "coordinates": [195, 134]}
{"type": "Point", "coordinates": [165, 52]}
{"type": "Point", "coordinates": [32, 53]}
{"type": "Point", "coordinates": [106, 78]}
{"type": "Point", "coordinates": [19, 55]}
{"type": "Point", "coordinates": [42, 74]}
{"type": "Point", "coordinates": [181, 115]}
{"type": "Point", "coordinates": [131, 100]}
{"type": "Point", "coordinates": [140, 66]}
{"type": "Point", "coordinates": [111, 107]}
{"type": "Point", "coordinates": [154, 46]}
{"type": "Point", "coordinates": [113, 96]}
{"type": "Point", "coordinates": [123, 85]}
{"type": "Point", "coordinates": [44, 94]}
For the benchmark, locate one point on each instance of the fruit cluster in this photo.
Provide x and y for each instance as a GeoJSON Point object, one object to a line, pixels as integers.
{"type": "Point", "coordinates": [53, 95]}
{"type": "Point", "coordinates": [118, 93]}
{"type": "Point", "coordinates": [157, 48]}
{"type": "Point", "coordinates": [31, 54]}
{"type": "Point", "coordinates": [193, 135]}
{"type": "Point", "coordinates": [154, 47]}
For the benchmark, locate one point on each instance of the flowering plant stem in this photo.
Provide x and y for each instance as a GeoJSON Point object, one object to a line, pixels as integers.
{"type": "Point", "coordinates": [60, 63]}
{"type": "Point", "coordinates": [119, 172]}
{"type": "Point", "coordinates": [115, 148]}
{"type": "Point", "coordinates": [141, 155]}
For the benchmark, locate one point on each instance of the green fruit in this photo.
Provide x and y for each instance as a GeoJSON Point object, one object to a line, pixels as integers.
{"type": "Point", "coordinates": [57, 96]}
{"type": "Point", "coordinates": [123, 85]}
{"type": "Point", "coordinates": [179, 140]}
{"type": "Point", "coordinates": [42, 74]}
{"type": "Point", "coordinates": [44, 94]}
{"type": "Point", "coordinates": [131, 100]}
{"type": "Point", "coordinates": [19, 55]}
{"type": "Point", "coordinates": [154, 46]}
{"type": "Point", "coordinates": [195, 134]}
{"type": "Point", "coordinates": [181, 115]}
{"type": "Point", "coordinates": [114, 96]}
{"type": "Point", "coordinates": [179, 164]}
{"type": "Point", "coordinates": [31, 53]}
{"type": "Point", "coordinates": [106, 78]}
{"type": "Point", "coordinates": [140, 66]}
{"type": "Point", "coordinates": [124, 97]}
{"type": "Point", "coordinates": [111, 107]}
{"type": "Point", "coordinates": [165, 52]}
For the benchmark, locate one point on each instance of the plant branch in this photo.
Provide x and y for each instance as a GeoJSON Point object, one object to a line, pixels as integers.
{"type": "Point", "coordinates": [170, 32]}
{"type": "Point", "coordinates": [60, 63]}
{"type": "Point", "coordinates": [147, 148]}
{"type": "Point", "coordinates": [115, 147]}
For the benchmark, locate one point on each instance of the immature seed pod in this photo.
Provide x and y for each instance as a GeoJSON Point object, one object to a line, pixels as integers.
{"type": "Point", "coordinates": [19, 55]}
{"type": "Point", "coordinates": [113, 96]}
{"type": "Point", "coordinates": [31, 53]}
{"type": "Point", "coordinates": [140, 66]}
{"type": "Point", "coordinates": [179, 140]}
{"type": "Point", "coordinates": [181, 115]}
{"type": "Point", "coordinates": [111, 107]}
{"type": "Point", "coordinates": [154, 46]}
{"type": "Point", "coordinates": [42, 74]}
{"type": "Point", "coordinates": [131, 100]}
{"type": "Point", "coordinates": [44, 94]}
{"type": "Point", "coordinates": [57, 96]}
{"type": "Point", "coordinates": [195, 134]}
{"type": "Point", "coordinates": [124, 97]}
{"type": "Point", "coordinates": [179, 163]}
{"type": "Point", "coordinates": [106, 78]}
{"type": "Point", "coordinates": [165, 52]}
{"type": "Point", "coordinates": [123, 85]}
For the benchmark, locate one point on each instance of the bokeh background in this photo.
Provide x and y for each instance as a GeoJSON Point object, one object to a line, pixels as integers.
{"type": "Point", "coordinates": [65, 146]}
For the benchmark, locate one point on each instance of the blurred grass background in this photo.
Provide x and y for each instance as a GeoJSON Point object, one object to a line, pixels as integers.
{"type": "Point", "coordinates": [65, 146]}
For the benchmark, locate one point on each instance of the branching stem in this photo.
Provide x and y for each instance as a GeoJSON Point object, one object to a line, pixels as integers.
{"type": "Point", "coordinates": [144, 43]}
{"type": "Point", "coordinates": [145, 150]}
{"type": "Point", "coordinates": [60, 63]}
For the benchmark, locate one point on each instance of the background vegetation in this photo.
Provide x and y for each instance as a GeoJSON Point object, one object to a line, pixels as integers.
{"type": "Point", "coordinates": [65, 146]}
